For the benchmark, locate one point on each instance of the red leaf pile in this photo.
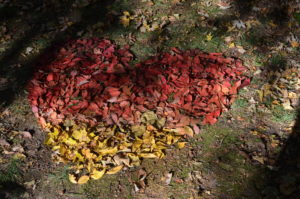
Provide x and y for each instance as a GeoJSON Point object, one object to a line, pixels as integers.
{"type": "Point", "coordinates": [91, 80]}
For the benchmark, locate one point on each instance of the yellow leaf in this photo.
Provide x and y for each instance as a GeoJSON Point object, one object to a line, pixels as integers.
{"type": "Point", "coordinates": [135, 164]}
{"type": "Point", "coordinates": [97, 174]}
{"type": "Point", "coordinates": [87, 153]}
{"type": "Point", "coordinates": [209, 37]}
{"type": "Point", "coordinates": [231, 45]}
{"type": "Point", "coordinates": [160, 145]}
{"type": "Point", "coordinates": [71, 142]}
{"type": "Point", "coordinates": [126, 13]}
{"type": "Point", "coordinates": [55, 133]}
{"type": "Point", "coordinates": [254, 132]}
{"type": "Point", "coordinates": [169, 139]}
{"type": "Point", "coordinates": [109, 151]}
{"type": "Point", "coordinates": [133, 157]}
{"type": "Point", "coordinates": [295, 44]}
{"type": "Point", "coordinates": [92, 135]}
{"type": "Point", "coordinates": [185, 131]}
{"type": "Point", "coordinates": [138, 130]}
{"type": "Point", "coordinates": [72, 178]}
{"type": "Point", "coordinates": [159, 154]}
{"type": "Point", "coordinates": [176, 138]}
{"type": "Point", "coordinates": [62, 150]}
{"type": "Point", "coordinates": [181, 145]}
{"type": "Point", "coordinates": [261, 95]}
{"type": "Point", "coordinates": [272, 24]}
{"type": "Point", "coordinates": [125, 21]}
{"type": "Point", "coordinates": [189, 131]}
{"type": "Point", "coordinates": [49, 141]}
{"type": "Point", "coordinates": [147, 155]}
{"type": "Point", "coordinates": [136, 145]}
{"type": "Point", "coordinates": [149, 140]}
{"type": "Point", "coordinates": [79, 157]}
{"type": "Point", "coordinates": [80, 135]}
{"type": "Point", "coordinates": [115, 170]}
{"type": "Point", "coordinates": [90, 165]}
{"type": "Point", "coordinates": [83, 179]}
{"type": "Point", "coordinates": [55, 147]}
{"type": "Point", "coordinates": [19, 156]}
{"type": "Point", "coordinates": [99, 158]}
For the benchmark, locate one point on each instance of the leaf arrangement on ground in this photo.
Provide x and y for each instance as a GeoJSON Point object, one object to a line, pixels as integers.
{"type": "Point", "coordinates": [102, 113]}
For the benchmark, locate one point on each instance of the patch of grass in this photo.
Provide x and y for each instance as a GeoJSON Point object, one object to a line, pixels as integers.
{"type": "Point", "coordinates": [122, 5]}
{"type": "Point", "coordinates": [184, 172]}
{"type": "Point", "coordinates": [60, 174]}
{"type": "Point", "coordinates": [160, 4]}
{"type": "Point", "coordinates": [257, 81]}
{"type": "Point", "coordinates": [11, 172]}
{"type": "Point", "coordinates": [214, 45]}
{"type": "Point", "coordinates": [240, 103]}
{"type": "Point", "coordinates": [297, 16]}
{"type": "Point", "coordinates": [107, 187]}
{"type": "Point", "coordinates": [10, 176]}
{"type": "Point", "coordinates": [254, 37]}
{"type": "Point", "coordinates": [17, 140]}
{"type": "Point", "coordinates": [20, 105]}
{"type": "Point", "coordinates": [278, 61]}
{"type": "Point", "coordinates": [222, 157]}
{"type": "Point", "coordinates": [214, 136]}
{"type": "Point", "coordinates": [178, 191]}
{"type": "Point", "coordinates": [213, 10]}
{"type": "Point", "coordinates": [258, 61]}
{"type": "Point", "coordinates": [281, 115]}
{"type": "Point", "coordinates": [42, 43]}
{"type": "Point", "coordinates": [142, 51]}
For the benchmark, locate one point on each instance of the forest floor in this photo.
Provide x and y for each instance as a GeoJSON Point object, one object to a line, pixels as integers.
{"type": "Point", "coordinates": [251, 152]}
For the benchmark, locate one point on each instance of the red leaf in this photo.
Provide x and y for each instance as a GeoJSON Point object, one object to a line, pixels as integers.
{"type": "Point", "coordinates": [245, 82]}
{"type": "Point", "coordinates": [113, 92]}
{"type": "Point", "coordinates": [114, 117]}
{"type": "Point", "coordinates": [50, 77]}
{"type": "Point", "coordinates": [209, 119]}
{"type": "Point", "coordinates": [93, 107]}
{"type": "Point", "coordinates": [196, 129]}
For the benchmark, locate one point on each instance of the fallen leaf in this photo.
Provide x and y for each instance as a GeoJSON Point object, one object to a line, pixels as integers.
{"type": "Point", "coordinates": [209, 37]}
{"type": "Point", "coordinates": [97, 174]}
{"type": "Point", "coordinates": [168, 178]}
{"type": "Point", "coordinates": [83, 179]}
{"type": "Point", "coordinates": [72, 178]}
{"type": "Point", "coordinates": [181, 145]}
{"type": "Point", "coordinates": [115, 170]}
{"type": "Point", "coordinates": [295, 44]}
{"type": "Point", "coordinates": [231, 45]}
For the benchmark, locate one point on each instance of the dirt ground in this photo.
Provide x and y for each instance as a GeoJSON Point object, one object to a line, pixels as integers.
{"type": "Point", "coordinates": [251, 152]}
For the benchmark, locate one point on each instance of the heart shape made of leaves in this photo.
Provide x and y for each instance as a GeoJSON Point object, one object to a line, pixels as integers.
{"type": "Point", "coordinates": [91, 81]}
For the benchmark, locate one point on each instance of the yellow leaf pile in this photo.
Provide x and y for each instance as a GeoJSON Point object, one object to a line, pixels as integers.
{"type": "Point", "coordinates": [126, 18]}
{"type": "Point", "coordinates": [106, 150]}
